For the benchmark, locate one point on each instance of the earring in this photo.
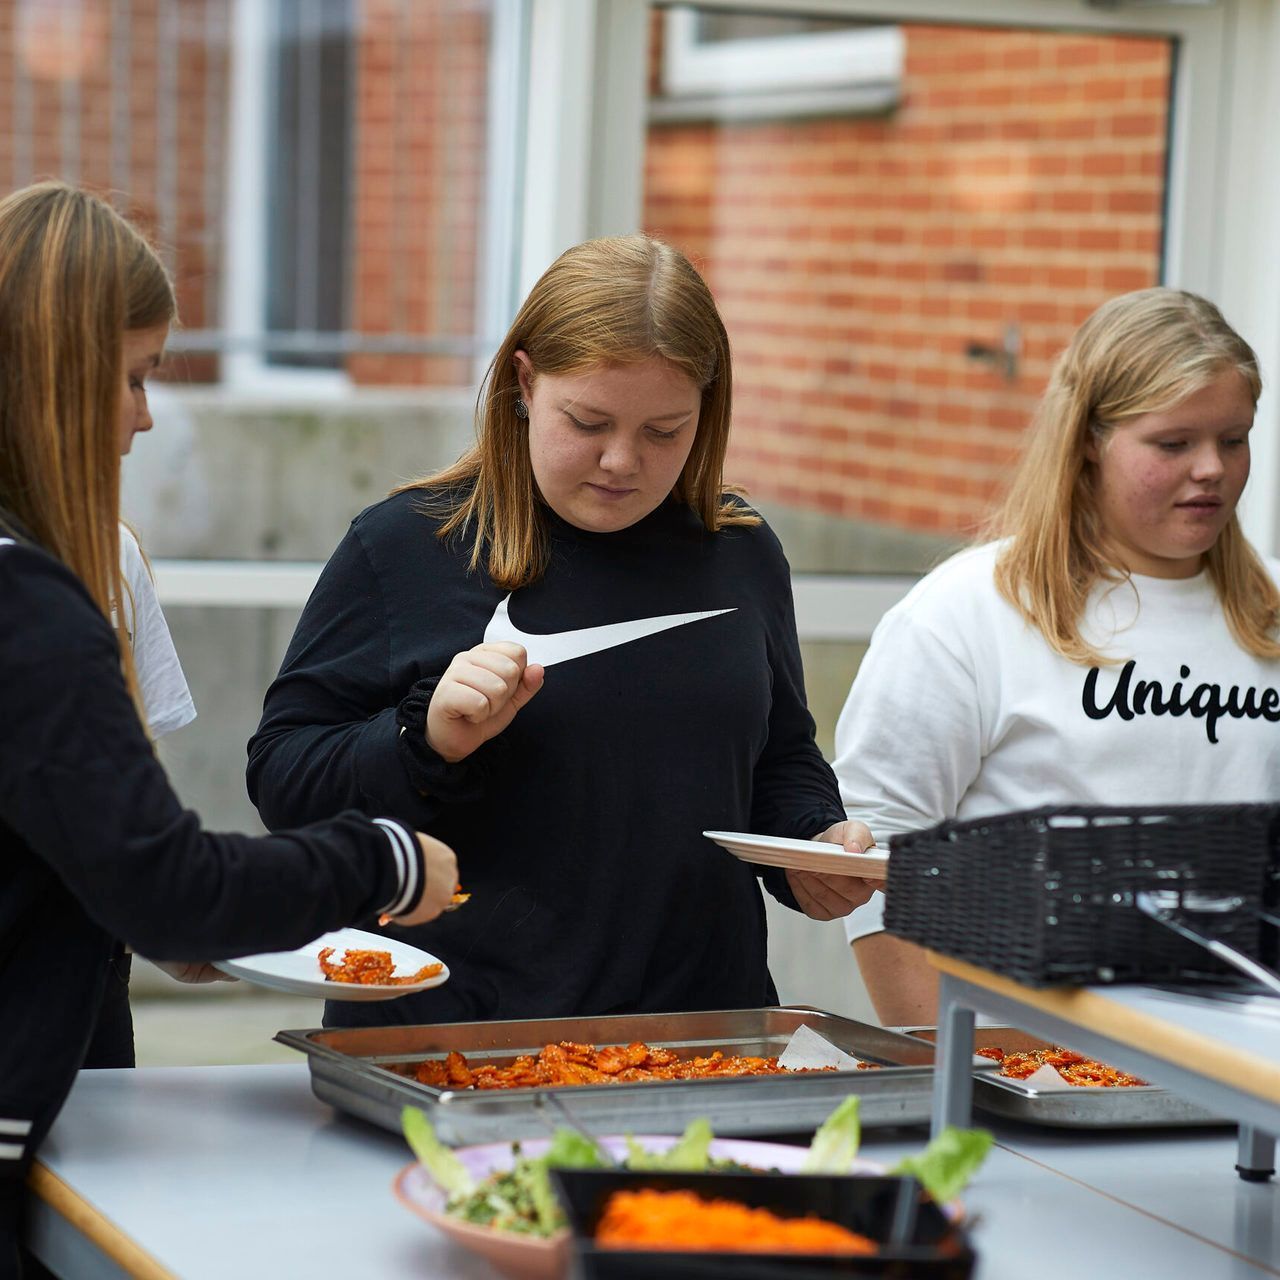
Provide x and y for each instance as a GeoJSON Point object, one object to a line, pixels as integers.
{"type": "Point", "coordinates": [522, 409]}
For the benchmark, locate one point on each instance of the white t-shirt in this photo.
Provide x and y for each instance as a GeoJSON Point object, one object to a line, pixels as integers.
{"type": "Point", "coordinates": [960, 709]}
{"type": "Point", "coordinates": [164, 687]}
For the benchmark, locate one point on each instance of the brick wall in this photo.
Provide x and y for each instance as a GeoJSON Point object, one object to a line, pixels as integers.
{"type": "Point", "coordinates": [419, 156]}
{"type": "Point", "coordinates": [1020, 182]}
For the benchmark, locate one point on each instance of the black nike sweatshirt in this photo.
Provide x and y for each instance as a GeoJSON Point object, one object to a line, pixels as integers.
{"type": "Point", "coordinates": [579, 828]}
{"type": "Point", "coordinates": [94, 846]}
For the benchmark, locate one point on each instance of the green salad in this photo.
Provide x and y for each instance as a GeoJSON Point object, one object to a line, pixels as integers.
{"type": "Point", "coordinates": [521, 1200]}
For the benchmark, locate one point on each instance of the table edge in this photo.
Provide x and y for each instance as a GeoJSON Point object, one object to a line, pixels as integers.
{"type": "Point", "coordinates": [94, 1225]}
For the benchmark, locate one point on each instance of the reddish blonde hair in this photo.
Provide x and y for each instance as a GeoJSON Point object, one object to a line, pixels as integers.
{"type": "Point", "coordinates": [617, 300]}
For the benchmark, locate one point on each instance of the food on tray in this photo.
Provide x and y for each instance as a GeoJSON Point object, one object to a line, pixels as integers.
{"type": "Point", "coordinates": [1073, 1067]}
{"type": "Point", "coordinates": [680, 1220]}
{"type": "Point", "coordinates": [370, 968]}
{"type": "Point", "coordinates": [568, 1063]}
{"type": "Point", "coordinates": [520, 1199]}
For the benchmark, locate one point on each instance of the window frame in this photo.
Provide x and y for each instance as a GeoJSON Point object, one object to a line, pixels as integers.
{"type": "Point", "coordinates": [820, 72]}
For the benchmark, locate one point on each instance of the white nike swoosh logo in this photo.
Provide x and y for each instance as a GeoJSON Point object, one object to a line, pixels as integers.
{"type": "Point", "coordinates": [564, 646]}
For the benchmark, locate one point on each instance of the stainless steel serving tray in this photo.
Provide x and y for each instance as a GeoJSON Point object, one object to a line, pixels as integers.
{"type": "Point", "coordinates": [353, 1069]}
{"type": "Point", "coordinates": [1132, 1107]}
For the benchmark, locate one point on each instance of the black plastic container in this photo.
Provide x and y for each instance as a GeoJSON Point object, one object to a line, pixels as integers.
{"type": "Point", "coordinates": [916, 1238]}
{"type": "Point", "coordinates": [1046, 896]}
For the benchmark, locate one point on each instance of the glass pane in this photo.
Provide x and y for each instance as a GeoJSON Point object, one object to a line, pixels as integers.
{"type": "Point", "coordinates": [899, 261]}
{"type": "Point", "coordinates": [309, 173]}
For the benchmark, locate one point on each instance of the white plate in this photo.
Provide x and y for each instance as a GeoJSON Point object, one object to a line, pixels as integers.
{"type": "Point", "coordinates": [299, 971]}
{"type": "Point", "coordinates": [802, 855]}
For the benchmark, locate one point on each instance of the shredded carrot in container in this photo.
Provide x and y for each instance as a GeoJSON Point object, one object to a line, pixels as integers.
{"type": "Point", "coordinates": [370, 968]}
{"type": "Point", "coordinates": [681, 1220]}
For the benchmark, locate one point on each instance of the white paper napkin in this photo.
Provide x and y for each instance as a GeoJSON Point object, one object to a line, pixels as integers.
{"type": "Point", "coordinates": [1046, 1079]}
{"type": "Point", "coordinates": [808, 1051]}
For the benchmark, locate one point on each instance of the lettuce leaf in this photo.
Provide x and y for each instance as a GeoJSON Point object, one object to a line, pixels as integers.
{"type": "Point", "coordinates": [946, 1165]}
{"type": "Point", "coordinates": [691, 1154]}
{"type": "Point", "coordinates": [448, 1171]}
{"type": "Point", "coordinates": [535, 1178]}
{"type": "Point", "coordinates": [836, 1142]}
{"type": "Point", "coordinates": [572, 1150]}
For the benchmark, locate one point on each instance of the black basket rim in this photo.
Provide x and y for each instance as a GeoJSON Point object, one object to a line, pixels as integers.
{"type": "Point", "coordinates": [1242, 813]}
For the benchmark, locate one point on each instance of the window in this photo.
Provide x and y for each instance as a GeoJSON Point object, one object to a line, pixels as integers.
{"type": "Point", "coordinates": [749, 66]}
{"type": "Point", "coordinates": [309, 172]}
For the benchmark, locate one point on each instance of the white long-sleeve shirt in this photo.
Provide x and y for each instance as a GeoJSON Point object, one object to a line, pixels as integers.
{"type": "Point", "coordinates": [961, 709]}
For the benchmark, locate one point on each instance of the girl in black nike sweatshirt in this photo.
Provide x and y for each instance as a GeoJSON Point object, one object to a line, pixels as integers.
{"type": "Point", "coordinates": [569, 655]}
{"type": "Point", "coordinates": [95, 849]}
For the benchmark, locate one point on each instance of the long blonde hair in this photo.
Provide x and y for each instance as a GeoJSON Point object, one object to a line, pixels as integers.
{"type": "Point", "coordinates": [1140, 353]}
{"type": "Point", "coordinates": [617, 300]}
{"type": "Point", "coordinates": [74, 277]}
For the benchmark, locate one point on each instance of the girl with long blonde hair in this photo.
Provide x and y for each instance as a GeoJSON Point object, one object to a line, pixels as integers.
{"type": "Point", "coordinates": [570, 654]}
{"type": "Point", "coordinates": [95, 849]}
{"type": "Point", "coordinates": [1113, 639]}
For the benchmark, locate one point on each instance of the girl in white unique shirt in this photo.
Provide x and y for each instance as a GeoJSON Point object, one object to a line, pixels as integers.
{"type": "Point", "coordinates": [1114, 644]}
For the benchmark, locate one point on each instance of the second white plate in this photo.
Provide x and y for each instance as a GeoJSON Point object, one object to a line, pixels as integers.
{"type": "Point", "coordinates": [802, 855]}
{"type": "Point", "coordinates": [299, 971]}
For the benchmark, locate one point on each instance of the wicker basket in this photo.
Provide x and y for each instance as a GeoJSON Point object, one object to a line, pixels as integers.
{"type": "Point", "coordinates": [1046, 895]}
{"type": "Point", "coordinates": [1271, 903]}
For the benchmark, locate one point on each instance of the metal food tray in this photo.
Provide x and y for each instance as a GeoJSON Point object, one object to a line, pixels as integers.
{"type": "Point", "coordinates": [1079, 1107]}
{"type": "Point", "coordinates": [354, 1069]}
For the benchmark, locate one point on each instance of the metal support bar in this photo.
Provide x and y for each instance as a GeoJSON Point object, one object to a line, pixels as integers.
{"type": "Point", "coordinates": [953, 1063]}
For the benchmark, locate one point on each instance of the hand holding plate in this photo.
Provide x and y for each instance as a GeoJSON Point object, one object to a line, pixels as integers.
{"type": "Point", "coordinates": [825, 896]}
{"type": "Point", "coordinates": [192, 971]}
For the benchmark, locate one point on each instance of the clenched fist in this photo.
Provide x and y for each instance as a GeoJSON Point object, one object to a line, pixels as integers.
{"type": "Point", "coordinates": [478, 696]}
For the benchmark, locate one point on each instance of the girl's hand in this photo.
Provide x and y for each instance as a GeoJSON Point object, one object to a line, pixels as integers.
{"type": "Point", "coordinates": [440, 866]}
{"type": "Point", "coordinates": [193, 971]}
{"type": "Point", "coordinates": [823, 896]}
{"type": "Point", "coordinates": [478, 696]}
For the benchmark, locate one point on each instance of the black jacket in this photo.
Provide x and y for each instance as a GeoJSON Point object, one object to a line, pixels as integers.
{"type": "Point", "coordinates": [579, 828]}
{"type": "Point", "coordinates": [94, 846]}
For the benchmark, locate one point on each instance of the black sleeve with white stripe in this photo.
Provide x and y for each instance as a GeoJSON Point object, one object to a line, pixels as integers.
{"type": "Point", "coordinates": [83, 793]}
{"type": "Point", "coordinates": [409, 863]}
{"type": "Point", "coordinates": [13, 1137]}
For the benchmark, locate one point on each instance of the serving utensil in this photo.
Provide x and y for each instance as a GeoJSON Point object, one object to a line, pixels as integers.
{"type": "Point", "coordinates": [1169, 907]}
{"type": "Point", "coordinates": [557, 1104]}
